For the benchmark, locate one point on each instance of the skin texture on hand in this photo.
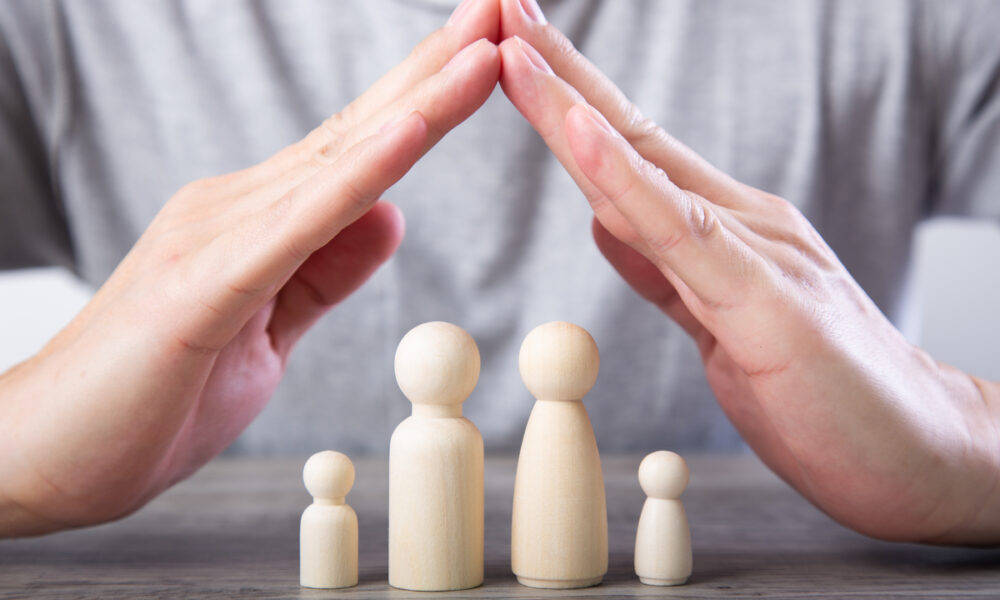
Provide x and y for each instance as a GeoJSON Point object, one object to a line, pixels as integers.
{"type": "Point", "coordinates": [815, 378]}
{"type": "Point", "coordinates": [185, 343]}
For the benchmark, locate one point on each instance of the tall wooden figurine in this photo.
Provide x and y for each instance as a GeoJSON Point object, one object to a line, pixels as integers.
{"type": "Point", "coordinates": [663, 539]}
{"type": "Point", "coordinates": [559, 533]}
{"type": "Point", "coordinates": [328, 534]}
{"type": "Point", "coordinates": [436, 465]}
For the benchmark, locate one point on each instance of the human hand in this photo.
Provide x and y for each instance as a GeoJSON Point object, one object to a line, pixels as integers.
{"type": "Point", "coordinates": [821, 385]}
{"type": "Point", "coordinates": [184, 344]}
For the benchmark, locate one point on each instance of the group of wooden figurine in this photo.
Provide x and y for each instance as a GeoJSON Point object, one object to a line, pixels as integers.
{"type": "Point", "coordinates": [559, 533]}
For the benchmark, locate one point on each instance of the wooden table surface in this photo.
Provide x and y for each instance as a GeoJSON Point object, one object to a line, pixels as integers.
{"type": "Point", "coordinates": [232, 529]}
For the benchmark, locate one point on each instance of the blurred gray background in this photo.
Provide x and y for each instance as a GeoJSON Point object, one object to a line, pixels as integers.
{"type": "Point", "coordinates": [957, 286]}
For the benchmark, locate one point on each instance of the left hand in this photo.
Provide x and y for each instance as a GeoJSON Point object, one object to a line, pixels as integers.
{"type": "Point", "coordinates": [821, 385]}
{"type": "Point", "coordinates": [186, 341]}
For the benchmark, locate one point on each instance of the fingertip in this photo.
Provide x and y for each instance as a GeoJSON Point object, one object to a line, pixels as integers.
{"type": "Point", "coordinates": [377, 233]}
{"type": "Point", "coordinates": [599, 231]}
{"type": "Point", "coordinates": [409, 130]}
{"type": "Point", "coordinates": [479, 52]}
{"type": "Point", "coordinates": [473, 73]}
{"type": "Point", "coordinates": [419, 122]}
{"type": "Point", "coordinates": [516, 20]}
{"type": "Point", "coordinates": [610, 244]}
{"type": "Point", "coordinates": [602, 238]}
{"type": "Point", "coordinates": [584, 117]}
{"type": "Point", "coordinates": [527, 79]}
{"type": "Point", "coordinates": [491, 58]}
{"type": "Point", "coordinates": [395, 222]}
{"type": "Point", "coordinates": [578, 117]}
{"type": "Point", "coordinates": [507, 57]}
{"type": "Point", "coordinates": [491, 18]}
{"type": "Point", "coordinates": [479, 18]}
{"type": "Point", "coordinates": [518, 53]}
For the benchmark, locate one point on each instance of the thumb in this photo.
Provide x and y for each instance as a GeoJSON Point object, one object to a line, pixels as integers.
{"type": "Point", "coordinates": [334, 272]}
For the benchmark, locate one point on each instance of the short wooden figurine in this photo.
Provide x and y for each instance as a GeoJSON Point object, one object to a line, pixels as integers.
{"type": "Point", "coordinates": [328, 535]}
{"type": "Point", "coordinates": [663, 539]}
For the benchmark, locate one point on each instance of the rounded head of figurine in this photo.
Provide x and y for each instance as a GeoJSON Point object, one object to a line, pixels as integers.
{"type": "Point", "coordinates": [663, 475]}
{"type": "Point", "coordinates": [559, 361]}
{"type": "Point", "coordinates": [328, 475]}
{"type": "Point", "coordinates": [437, 363]}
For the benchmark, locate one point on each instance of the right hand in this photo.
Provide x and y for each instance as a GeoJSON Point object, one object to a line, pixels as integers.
{"type": "Point", "coordinates": [820, 384]}
{"type": "Point", "coordinates": [186, 341]}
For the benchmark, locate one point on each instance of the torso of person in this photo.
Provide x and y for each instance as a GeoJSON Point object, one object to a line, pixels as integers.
{"type": "Point", "coordinates": [851, 110]}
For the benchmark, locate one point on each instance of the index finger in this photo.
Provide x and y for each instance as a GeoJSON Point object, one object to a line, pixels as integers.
{"type": "Point", "coordinates": [686, 168]}
{"type": "Point", "coordinates": [473, 20]}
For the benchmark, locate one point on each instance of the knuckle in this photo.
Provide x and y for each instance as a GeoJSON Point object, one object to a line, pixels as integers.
{"type": "Point", "coordinates": [698, 223]}
{"type": "Point", "coordinates": [620, 193]}
{"type": "Point", "coordinates": [196, 189]}
{"type": "Point", "coordinates": [780, 207]}
{"type": "Point", "coordinates": [354, 195]}
{"type": "Point", "coordinates": [279, 221]}
{"type": "Point", "coordinates": [434, 51]}
{"type": "Point", "coordinates": [427, 50]}
{"type": "Point", "coordinates": [702, 220]}
{"type": "Point", "coordinates": [333, 126]}
{"type": "Point", "coordinates": [640, 130]}
{"type": "Point", "coordinates": [322, 145]}
{"type": "Point", "coordinates": [663, 245]}
{"type": "Point", "coordinates": [564, 49]}
{"type": "Point", "coordinates": [294, 250]}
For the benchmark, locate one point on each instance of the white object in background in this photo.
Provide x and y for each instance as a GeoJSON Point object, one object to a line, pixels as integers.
{"type": "Point", "coordinates": [34, 305]}
{"type": "Point", "coordinates": [559, 531]}
{"type": "Point", "coordinates": [957, 284]}
{"type": "Point", "coordinates": [663, 538]}
{"type": "Point", "coordinates": [328, 535]}
{"type": "Point", "coordinates": [436, 465]}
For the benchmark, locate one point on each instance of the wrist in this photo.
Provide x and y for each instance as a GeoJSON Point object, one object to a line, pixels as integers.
{"type": "Point", "coordinates": [17, 517]}
{"type": "Point", "coordinates": [977, 491]}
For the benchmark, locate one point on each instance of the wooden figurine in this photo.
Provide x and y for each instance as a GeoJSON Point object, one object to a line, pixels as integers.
{"type": "Point", "coordinates": [436, 465]}
{"type": "Point", "coordinates": [559, 532]}
{"type": "Point", "coordinates": [328, 534]}
{"type": "Point", "coordinates": [663, 540]}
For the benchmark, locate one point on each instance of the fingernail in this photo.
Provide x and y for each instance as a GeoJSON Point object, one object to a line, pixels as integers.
{"type": "Point", "coordinates": [533, 11]}
{"type": "Point", "coordinates": [599, 120]}
{"type": "Point", "coordinates": [462, 57]}
{"type": "Point", "coordinates": [460, 12]}
{"type": "Point", "coordinates": [395, 121]}
{"type": "Point", "coordinates": [533, 56]}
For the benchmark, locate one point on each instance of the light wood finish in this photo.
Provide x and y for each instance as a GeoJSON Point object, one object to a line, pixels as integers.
{"type": "Point", "coordinates": [559, 530]}
{"type": "Point", "coordinates": [328, 532]}
{"type": "Point", "coordinates": [436, 465]}
{"type": "Point", "coordinates": [663, 539]}
{"type": "Point", "coordinates": [232, 530]}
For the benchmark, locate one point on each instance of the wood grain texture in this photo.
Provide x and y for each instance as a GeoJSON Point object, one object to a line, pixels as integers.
{"type": "Point", "coordinates": [233, 529]}
{"type": "Point", "coordinates": [436, 482]}
{"type": "Point", "coordinates": [559, 527]}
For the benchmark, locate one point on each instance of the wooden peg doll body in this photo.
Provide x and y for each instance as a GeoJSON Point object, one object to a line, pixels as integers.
{"type": "Point", "coordinates": [436, 465]}
{"type": "Point", "coordinates": [663, 538]}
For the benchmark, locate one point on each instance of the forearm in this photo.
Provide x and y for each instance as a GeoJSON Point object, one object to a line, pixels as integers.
{"type": "Point", "coordinates": [16, 519]}
{"type": "Point", "coordinates": [72, 441]}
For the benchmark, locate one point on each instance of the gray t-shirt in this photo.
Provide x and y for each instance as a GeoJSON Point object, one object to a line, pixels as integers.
{"type": "Point", "coordinates": [869, 116]}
